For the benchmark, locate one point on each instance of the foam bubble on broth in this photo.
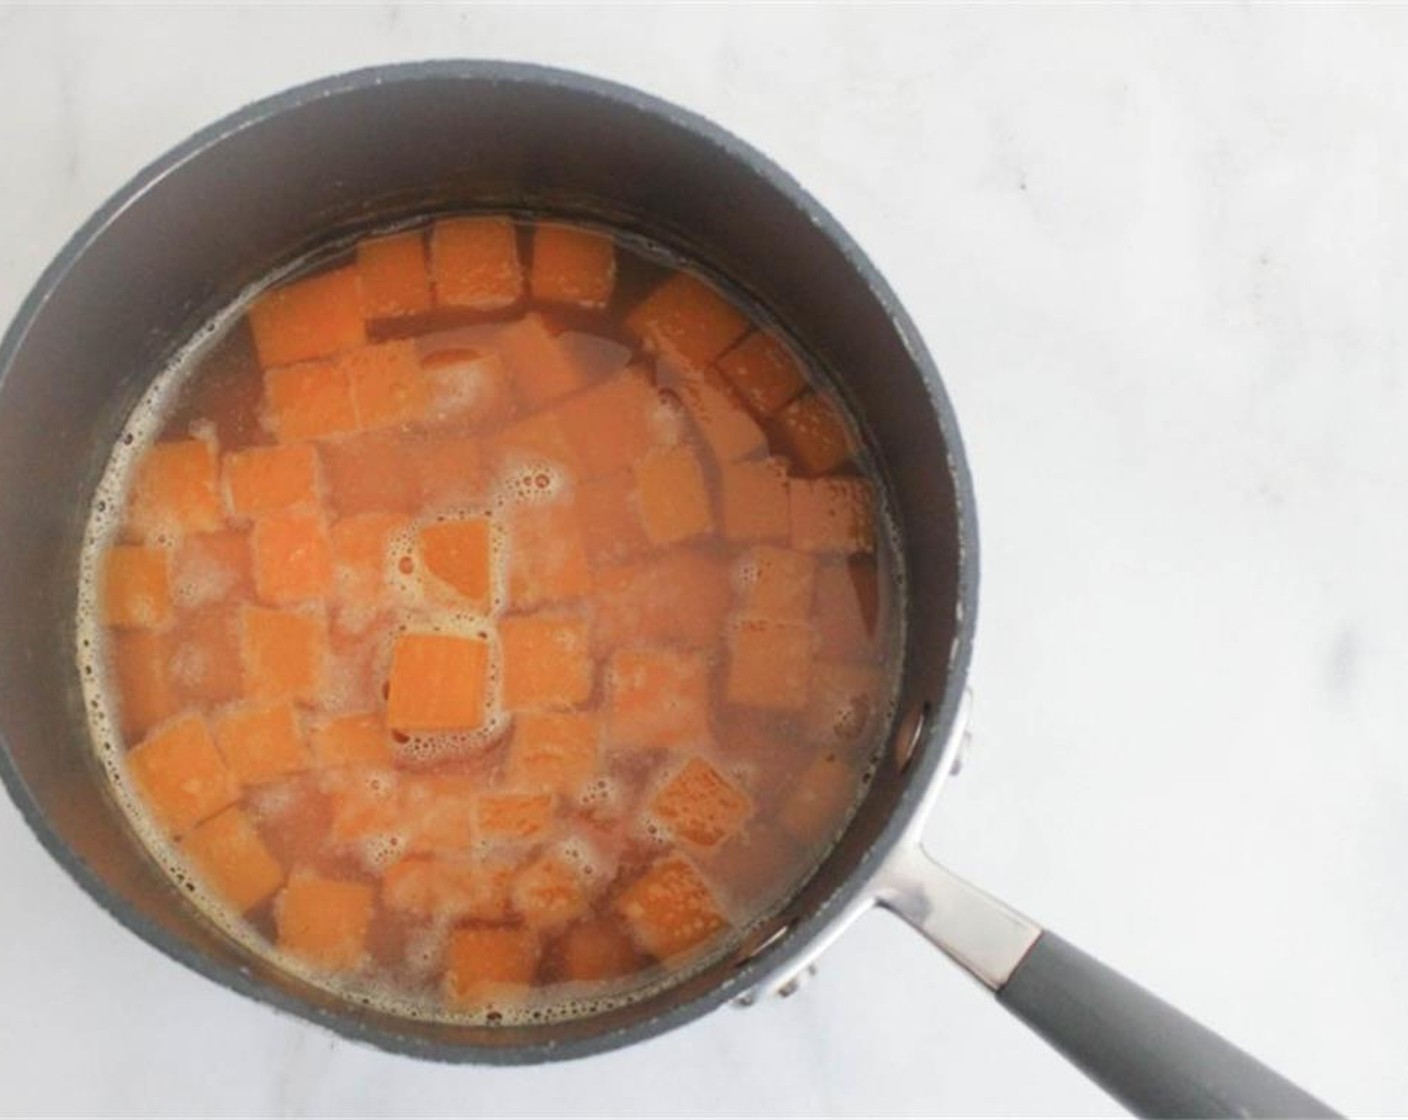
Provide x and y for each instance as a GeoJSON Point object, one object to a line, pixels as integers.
{"type": "Point", "coordinates": [461, 393]}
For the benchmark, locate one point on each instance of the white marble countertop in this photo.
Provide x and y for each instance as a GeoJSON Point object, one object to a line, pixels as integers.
{"type": "Point", "coordinates": [1162, 259]}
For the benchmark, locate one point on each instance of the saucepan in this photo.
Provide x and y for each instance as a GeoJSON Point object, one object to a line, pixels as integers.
{"type": "Point", "coordinates": [351, 153]}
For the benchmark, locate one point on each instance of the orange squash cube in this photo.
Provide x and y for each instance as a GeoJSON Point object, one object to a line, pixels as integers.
{"type": "Point", "coordinates": [549, 893]}
{"type": "Point", "coordinates": [540, 366]}
{"type": "Point", "coordinates": [657, 698]}
{"type": "Point", "coordinates": [284, 654]}
{"type": "Point", "coordinates": [204, 655]}
{"type": "Point", "coordinates": [671, 908]}
{"type": "Point", "coordinates": [364, 802]}
{"type": "Point", "coordinates": [292, 557]}
{"type": "Point", "coordinates": [846, 609]}
{"type": "Point", "coordinates": [260, 480]}
{"type": "Point", "coordinates": [554, 751]}
{"type": "Point", "coordinates": [229, 855]}
{"type": "Point", "coordinates": [844, 704]}
{"type": "Point", "coordinates": [769, 664]}
{"type": "Point", "coordinates": [311, 400]}
{"type": "Point", "coordinates": [686, 315]}
{"type": "Point", "coordinates": [674, 501]}
{"type": "Point", "coordinates": [359, 555]}
{"type": "Point", "coordinates": [514, 816]}
{"type": "Point", "coordinates": [537, 439]}
{"type": "Point", "coordinates": [679, 598]}
{"type": "Point", "coordinates": [386, 383]}
{"type": "Point", "coordinates": [813, 430]}
{"type": "Point", "coordinates": [724, 423]}
{"type": "Point", "coordinates": [610, 519]}
{"type": "Point", "coordinates": [546, 661]}
{"type": "Point", "coordinates": [209, 567]}
{"type": "Point", "coordinates": [595, 950]}
{"type": "Point", "coordinates": [359, 739]}
{"type": "Point", "coordinates": [469, 389]}
{"type": "Point", "coordinates": [180, 775]}
{"type": "Point", "coordinates": [482, 961]}
{"type": "Point", "coordinates": [261, 742]}
{"type": "Point", "coordinates": [308, 318]}
{"type": "Point", "coordinates": [395, 278]}
{"type": "Point", "coordinates": [764, 372]}
{"type": "Point", "coordinates": [546, 561]}
{"type": "Point", "coordinates": [475, 263]}
{"type": "Point", "coordinates": [324, 921]}
{"type": "Point", "coordinates": [371, 473]}
{"type": "Point", "coordinates": [777, 584]}
{"type": "Point", "coordinates": [821, 800]}
{"type": "Point", "coordinates": [611, 425]}
{"type": "Point", "coordinates": [832, 515]}
{"type": "Point", "coordinates": [139, 661]}
{"type": "Point", "coordinates": [437, 811]}
{"type": "Point", "coordinates": [447, 889]}
{"type": "Point", "coordinates": [136, 587]}
{"type": "Point", "coordinates": [449, 473]}
{"type": "Point", "coordinates": [572, 265]}
{"type": "Point", "coordinates": [175, 490]}
{"type": "Point", "coordinates": [437, 682]}
{"type": "Point", "coordinates": [755, 502]}
{"type": "Point", "coordinates": [700, 806]}
{"type": "Point", "coordinates": [459, 554]}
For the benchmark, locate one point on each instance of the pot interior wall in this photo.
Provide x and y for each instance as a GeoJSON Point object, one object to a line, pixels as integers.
{"type": "Point", "coordinates": [276, 181]}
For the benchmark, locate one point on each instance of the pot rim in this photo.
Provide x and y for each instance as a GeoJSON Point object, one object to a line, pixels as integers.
{"type": "Point", "coordinates": [925, 770]}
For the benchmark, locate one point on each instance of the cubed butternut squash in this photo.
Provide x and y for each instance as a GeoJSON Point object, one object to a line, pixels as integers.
{"type": "Point", "coordinates": [753, 495]}
{"type": "Point", "coordinates": [832, 515]}
{"type": "Point", "coordinates": [324, 921]}
{"type": "Point", "coordinates": [546, 560]}
{"type": "Point", "coordinates": [546, 661]}
{"type": "Point", "coordinates": [292, 557]}
{"type": "Point", "coordinates": [136, 590]}
{"type": "Point", "coordinates": [180, 775]}
{"type": "Point", "coordinates": [514, 816]}
{"type": "Point", "coordinates": [616, 422]}
{"type": "Point", "coordinates": [482, 962]}
{"type": "Point", "coordinates": [308, 318]}
{"type": "Point", "coordinates": [814, 431]}
{"type": "Point", "coordinates": [776, 584]}
{"type": "Point", "coordinates": [671, 908]}
{"type": "Point", "coordinates": [359, 739]}
{"type": "Point", "coordinates": [764, 372]}
{"type": "Point", "coordinates": [310, 400]}
{"type": "Point", "coordinates": [688, 316]}
{"type": "Point", "coordinates": [673, 498]}
{"type": "Point", "coordinates": [175, 490]}
{"type": "Point", "coordinates": [554, 751]}
{"type": "Point", "coordinates": [769, 664]}
{"type": "Point", "coordinates": [549, 893]}
{"type": "Point", "coordinates": [657, 698]}
{"type": "Point", "coordinates": [459, 554]}
{"type": "Point", "coordinates": [700, 806]}
{"type": "Point", "coordinates": [284, 653]}
{"type": "Point", "coordinates": [572, 265]}
{"type": "Point", "coordinates": [437, 682]}
{"type": "Point", "coordinates": [235, 863]}
{"type": "Point", "coordinates": [260, 480]}
{"type": "Point", "coordinates": [475, 263]}
{"type": "Point", "coordinates": [610, 518]}
{"type": "Point", "coordinates": [394, 275]}
{"type": "Point", "coordinates": [261, 742]}
{"type": "Point", "coordinates": [541, 368]}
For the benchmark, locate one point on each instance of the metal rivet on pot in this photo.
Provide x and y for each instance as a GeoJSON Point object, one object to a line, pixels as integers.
{"type": "Point", "coordinates": [910, 735]}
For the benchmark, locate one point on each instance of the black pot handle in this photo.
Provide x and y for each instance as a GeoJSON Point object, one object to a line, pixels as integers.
{"type": "Point", "coordinates": [1152, 1058]}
